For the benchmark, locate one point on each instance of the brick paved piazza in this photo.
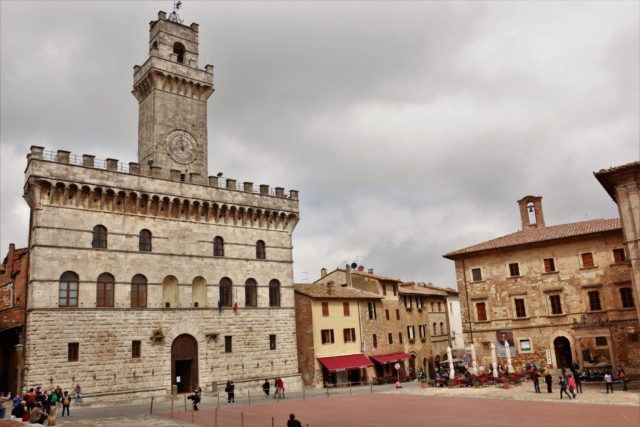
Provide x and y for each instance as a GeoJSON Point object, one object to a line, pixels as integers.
{"type": "Point", "coordinates": [408, 407]}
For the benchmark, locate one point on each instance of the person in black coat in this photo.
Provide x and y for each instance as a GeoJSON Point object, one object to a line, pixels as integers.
{"type": "Point", "coordinates": [266, 387]}
{"type": "Point", "coordinates": [293, 422]}
{"type": "Point", "coordinates": [549, 380]}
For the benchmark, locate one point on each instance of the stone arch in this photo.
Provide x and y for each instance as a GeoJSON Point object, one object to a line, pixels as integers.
{"type": "Point", "coordinates": [184, 363]}
{"type": "Point", "coordinates": [572, 344]}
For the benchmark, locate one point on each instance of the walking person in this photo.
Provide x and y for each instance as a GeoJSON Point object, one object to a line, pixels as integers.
{"type": "Point", "coordinates": [66, 402]}
{"type": "Point", "coordinates": [563, 387]}
{"type": "Point", "coordinates": [579, 382]}
{"type": "Point", "coordinates": [266, 387]}
{"type": "Point", "coordinates": [623, 382]}
{"type": "Point", "coordinates": [572, 385]}
{"type": "Point", "coordinates": [229, 389]}
{"type": "Point", "coordinates": [276, 385]}
{"type": "Point", "coordinates": [549, 380]}
{"type": "Point", "coordinates": [608, 382]}
{"type": "Point", "coordinates": [281, 388]}
{"type": "Point", "coordinates": [536, 380]}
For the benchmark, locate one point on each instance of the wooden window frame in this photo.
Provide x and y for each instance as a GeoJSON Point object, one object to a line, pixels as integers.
{"type": "Point", "coordinates": [250, 293]}
{"type": "Point", "coordinates": [218, 246]}
{"type": "Point", "coordinates": [626, 297]}
{"type": "Point", "coordinates": [274, 293]}
{"type": "Point", "coordinates": [272, 342]}
{"type": "Point", "coordinates": [261, 250]}
{"type": "Point", "coordinates": [549, 265]}
{"type": "Point", "coordinates": [138, 291]}
{"type": "Point", "coordinates": [481, 314]}
{"type": "Point", "coordinates": [136, 349]}
{"type": "Point", "coordinates": [619, 256]}
{"type": "Point", "coordinates": [390, 338]}
{"type": "Point", "coordinates": [595, 304]}
{"type": "Point", "coordinates": [514, 269]}
{"type": "Point", "coordinates": [371, 305]}
{"type": "Point", "coordinates": [586, 260]}
{"type": "Point", "coordinates": [73, 352]}
{"type": "Point", "coordinates": [555, 304]}
{"type": "Point", "coordinates": [349, 335]}
{"type": "Point", "coordinates": [374, 341]}
{"type": "Point", "coordinates": [327, 337]}
{"type": "Point", "coordinates": [226, 292]}
{"type": "Point", "coordinates": [346, 309]}
{"type": "Point", "coordinates": [228, 344]}
{"type": "Point", "coordinates": [477, 278]}
{"type": "Point", "coordinates": [145, 241]}
{"type": "Point", "coordinates": [520, 308]}
{"type": "Point", "coordinates": [104, 293]}
{"type": "Point", "coordinates": [66, 289]}
{"type": "Point", "coordinates": [100, 235]}
{"type": "Point", "coordinates": [325, 309]}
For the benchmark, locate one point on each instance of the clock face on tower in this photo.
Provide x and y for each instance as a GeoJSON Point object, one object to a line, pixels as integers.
{"type": "Point", "coordinates": [181, 146]}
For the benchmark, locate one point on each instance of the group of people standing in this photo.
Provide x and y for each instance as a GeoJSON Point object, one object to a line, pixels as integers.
{"type": "Point", "coordinates": [278, 384]}
{"type": "Point", "coordinates": [39, 406]}
{"type": "Point", "coordinates": [570, 381]}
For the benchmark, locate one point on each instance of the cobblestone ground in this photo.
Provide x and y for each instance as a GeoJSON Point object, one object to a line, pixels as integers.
{"type": "Point", "coordinates": [591, 394]}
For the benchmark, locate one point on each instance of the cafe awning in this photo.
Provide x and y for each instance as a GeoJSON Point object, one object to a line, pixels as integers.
{"type": "Point", "coordinates": [345, 363]}
{"type": "Point", "coordinates": [391, 358]}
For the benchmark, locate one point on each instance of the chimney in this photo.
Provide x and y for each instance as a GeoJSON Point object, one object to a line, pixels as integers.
{"type": "Point", "coordinates": [370, 271]}
{"type": "Point", "coordinates": [323, 272]}
{"type": "Point", "coordinates": [531, 212]}
{"type": "Point", "coordinates": [331, 289]}
{"type": "Point", "coordinates": [348, 274]}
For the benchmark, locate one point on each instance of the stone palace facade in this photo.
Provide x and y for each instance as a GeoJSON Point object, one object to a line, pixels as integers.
{"type": "Point", "coordinates": [153, 277]}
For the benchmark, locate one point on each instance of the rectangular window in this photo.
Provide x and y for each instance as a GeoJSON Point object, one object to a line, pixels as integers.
{"type": "Point", "coordinates": [384, 289]}
{"type": "Point", "coordinates": [136, 349]}
{"type": "Point", "coordinates": [476, 274]}
{"type": "Point", "coordinates": [419, 303]}
{"type": "Point", "coordinates": [325, 309]}
{"type": "Point", "coordinates": [400, 337]}
{"type": "Point", "coordinates": [346, 309]}
{"type": "Point", "coordinates": [349, 335]}
{"type": "Point", "coordinates": [587, 259]}
{"type": "Point", "coordinates": [514, 269]}
{"type": "Point", "coordinates": [601, 341]}
{"type": "Point", "coordinates": [73, 351]}
{"type": "Point", "coordinates": [556, 307]}
{"type": "Point", "coordinates": [228, 344]}
{"type": "Point", "coordinates": [395, 290]}
{"type": "Point", "coordinates": [520, 310]}
{"type": "Point", "coordinates": [618, 256]}
{"type": "Point", "coordinates": [549, 265]}
{"type": "Point", "coordinates": [272, 342]}
{"type": "Point", "coordinates": [525, 345]}
{"type": "Point", "coordinates": [633, 336]}
{"type": "Point", "coordinates": [481, 311]}
{"type": "Point", "coordinates": [407, 301]}
{"type": "Point", "coordinates": [626, 294]}
{"type": "Point", "coordinates": [386, 313]}
{"type": "Point", "coordinates": [390, 336]}
{"type": "Point", "coordinates": [326, 336]}
{"type": "Point", "coordinates": [68, 294]}
{"type": "Point", "coordinates": [397, 314]}
{"type": "Point", "coordinates": [411, 333]}
{"type": "Point", "coordinates": [594, 301]}
{"type": "Point", "coordinates": [374, 340]}
{"type": "Point", "coordinates": [421, 331]}
{"type": "Point", "coordinates": [372, 311]}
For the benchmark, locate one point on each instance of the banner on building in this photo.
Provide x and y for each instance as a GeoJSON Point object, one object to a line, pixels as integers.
{"type": "Point", "coordinates": [502, 336]}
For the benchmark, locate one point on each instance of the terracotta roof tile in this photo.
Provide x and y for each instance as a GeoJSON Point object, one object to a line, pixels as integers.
{"type": "Point", "coordinates": [414, 289]}
{"type": "Point", "coordinates": [319, 290]}
{"type": "Point", "coordinates": [534, 235]}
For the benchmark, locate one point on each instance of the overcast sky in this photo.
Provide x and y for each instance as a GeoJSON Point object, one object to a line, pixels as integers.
{"type": "Point", "coordinates": [410, 128]}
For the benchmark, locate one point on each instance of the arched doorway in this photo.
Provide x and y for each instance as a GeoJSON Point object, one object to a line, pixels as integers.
{"type": "Point", "coordinates": [562, 348]}
{"type": "Point", "coordinates": [184, 363]}
{"type": "Point", "coordinates": [412, 366]}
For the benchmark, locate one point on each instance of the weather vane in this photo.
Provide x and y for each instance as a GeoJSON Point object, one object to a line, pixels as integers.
{"type": "Point", "coordinates": [173, 16]}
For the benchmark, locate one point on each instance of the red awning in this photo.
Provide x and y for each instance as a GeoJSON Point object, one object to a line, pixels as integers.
{"type": "Point", "coordinates": [391, 358]}
{"type": "Point", "coordinates": [345, 363]}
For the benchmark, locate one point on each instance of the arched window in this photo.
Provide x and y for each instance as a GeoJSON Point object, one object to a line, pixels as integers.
{"type": "Point", "coordinates": [178, 49]}
{"type": "Point", "coordinates": [435, 331]}
{"type": "Point", "coordinates": [226, 286]}
{"type": "Point", "coordinates": [144, 241]}
{"type": "Point", "coordinates": [431, 305]}
{"type": "Point", "coordinates": [251, 293]}
{"type": "Point", "coordinates": [261, 250]}
{"type": "Point", "coordinates": [441, 328]}
{"type": "Point", "coordinates": [218, 246]}
{"type": "Point", "coordinates": [104, 290]}
{"type": "Point", "coordinates": [170, 292]}
{"type": "Point", "coordinates": [68, 289]}
{"type": "Point", "coordinates": [439, 307]}
{"type": "Point", "coordinates": [99, 240]}
{"type": "Point", "coordinates": [274, 293]}
{"type": "Point", "coordinates": [199, 292]}
{"type": "Point", "coordinates": [138, 291]}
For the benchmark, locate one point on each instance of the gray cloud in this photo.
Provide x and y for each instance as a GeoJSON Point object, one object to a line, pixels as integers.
{"type": "Point", "coordinates": [410, 128]}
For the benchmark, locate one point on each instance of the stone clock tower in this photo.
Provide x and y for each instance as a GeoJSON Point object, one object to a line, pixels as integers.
{"type": "Point", "coordinates": [172, 93]}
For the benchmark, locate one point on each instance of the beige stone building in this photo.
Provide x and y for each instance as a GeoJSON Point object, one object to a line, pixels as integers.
{"type": "Point", "coordinates": [558, 294]}
{"type": "Point", "coordinates": [329, 334]}
{"type": "Point", "coordinates": [153, 276]}
{"type": "Point", "coordinates": [398, 327]}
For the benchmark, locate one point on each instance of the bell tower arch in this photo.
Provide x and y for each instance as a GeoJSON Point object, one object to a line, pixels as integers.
{"type": "Point", "coordinates": [172, 94]}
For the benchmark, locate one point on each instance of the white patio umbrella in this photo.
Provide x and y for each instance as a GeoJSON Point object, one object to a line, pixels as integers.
{"type": "Point", "coordinates": [494, 360]}
{"type": "Point", "coordinates": [452, 372]}
{"type": "Point", "coordinates": [474, 363]}
{"type": "Point", "coordinates": [508, 353]}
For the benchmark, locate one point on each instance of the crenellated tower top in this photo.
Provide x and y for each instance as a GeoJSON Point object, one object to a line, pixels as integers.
{"type": "Point", "coordinates": [172, 93]}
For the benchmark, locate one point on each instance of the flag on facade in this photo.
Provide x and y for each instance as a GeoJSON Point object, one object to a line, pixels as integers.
{"type": "Point", "coordinates": [235, 307]}
{"type": "Point", "coordinates": [219, 306]}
